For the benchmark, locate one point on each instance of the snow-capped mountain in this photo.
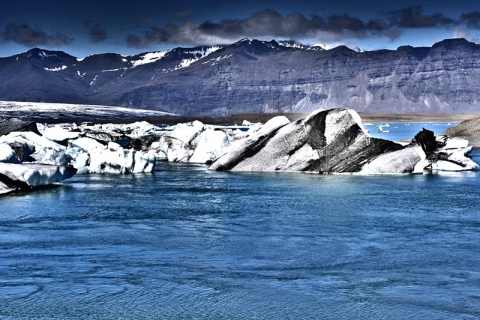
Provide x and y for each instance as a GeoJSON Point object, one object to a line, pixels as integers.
{"type": "Point", "coordinates": [254, 76]}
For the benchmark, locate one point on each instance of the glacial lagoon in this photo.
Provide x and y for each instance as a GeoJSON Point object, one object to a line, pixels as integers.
{"type": "Point", "coordinates": [185, 242]}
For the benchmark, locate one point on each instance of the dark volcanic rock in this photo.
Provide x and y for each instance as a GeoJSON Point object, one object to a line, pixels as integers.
{"type": "Point", "coordinates": [253, 76]}
{"type": "Point", "coordinates": [426, 139]}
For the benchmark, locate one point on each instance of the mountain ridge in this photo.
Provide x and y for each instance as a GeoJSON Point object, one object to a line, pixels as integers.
{"type": "Point", "coordinates": [253, 76]}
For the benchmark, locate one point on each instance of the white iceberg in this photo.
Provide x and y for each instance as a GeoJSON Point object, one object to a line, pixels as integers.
{"type": "Point", "coordinates": [179, 144]}
{"type": "Point", "coordinates": [7, 154]}
{"type": "Point", "coordinates": [58, 134]}
{"type": "Point", "coordinates": [90, 156]}
{"type": "Point", "coordinates": [239, 149]}
{"type": "Point", "coordinates": [211, 145]}
{"type": "Point", "coordinates": [36, 148]}
{"type": "Point", "coordinates": [408, 160]}
{"type": "Point", "coordinates": [24, 176]}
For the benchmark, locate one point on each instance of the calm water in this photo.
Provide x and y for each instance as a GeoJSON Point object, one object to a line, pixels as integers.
{"type": "Point", "coordinates": [184, 242]}
{"type": "Point", "coordinates": [406, 131]}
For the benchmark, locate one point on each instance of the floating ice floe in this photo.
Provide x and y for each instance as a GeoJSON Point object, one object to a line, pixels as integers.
{"type": "Point", "coordinates": [25, 176]}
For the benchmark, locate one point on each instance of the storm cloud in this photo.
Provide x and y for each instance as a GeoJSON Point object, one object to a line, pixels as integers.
{"type": "Point", "coordinates": [413, 17]}
{"type": "Point", "coordinates": [266, 23]}
{"type": "Point", "coordinates": [30, 36]}
{"type": "Point", "coordinates": [95, 31]}
{"type": "Point", "coordinates": [297, 26]}
{"type": "Point", "coordinates": [471, 20]}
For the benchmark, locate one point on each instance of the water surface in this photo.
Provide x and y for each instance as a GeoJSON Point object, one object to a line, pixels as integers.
{"type": "Point", "coordinates": [185, 242]}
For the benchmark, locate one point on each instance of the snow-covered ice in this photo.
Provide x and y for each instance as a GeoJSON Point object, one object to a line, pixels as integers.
{"type": "Point", "coordinates": [23, 176]}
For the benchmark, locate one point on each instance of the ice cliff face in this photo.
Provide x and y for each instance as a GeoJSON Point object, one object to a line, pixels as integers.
{"type": "Point", "coordinates": [254, 76]}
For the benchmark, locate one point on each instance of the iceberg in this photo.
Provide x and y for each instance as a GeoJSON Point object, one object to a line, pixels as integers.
{"type": "Point", "coordinates": [7, 154]}
{"type": "Point", "coordinates": [325, 142]}
{"type": "Point", "coordinates": [26, 176]}
{"type": "Point", "coordinates": [179, 144]}
{"type": "Point", "coordinates": [32, 147]}
{"type": "Point", "coordinates": [335, 141]}
{"type": "Point", "coordinates": [59, 135]}
{"type": "Point", "coordinates": [211, 144]}
{"type": "Point", "coordinates": [90, 156]}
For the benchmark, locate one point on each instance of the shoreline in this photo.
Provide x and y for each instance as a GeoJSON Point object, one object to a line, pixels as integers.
{"type": "Point", "coordinates": [416, 117]}
{"type": "Point", "coordinates": [367, 117]}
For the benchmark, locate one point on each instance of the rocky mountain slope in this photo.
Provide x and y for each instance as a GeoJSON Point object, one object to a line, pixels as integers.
{"type": "Point", "coordinates": [253, 76]}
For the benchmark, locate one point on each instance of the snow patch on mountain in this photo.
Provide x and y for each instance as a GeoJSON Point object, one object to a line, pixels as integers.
{"type": "Point", "coordinates": [291, 44]}
{"type": "Point", "coordinates": [149, 58]}
{"type": "Point", "coordinates": [318, 47]}
{"type": "Point", "coordinates": [57, 69]}
{"type": "Point", "coordinates": [216, 60]}
{"type": "Point", "coordinates": [112, 70]}
{"type": "Point", "coordinates": [94, 79]}
{"type": "Point", "coordinates": [42, 54]}
{"type": "Point", "coordinates": [197, 55]}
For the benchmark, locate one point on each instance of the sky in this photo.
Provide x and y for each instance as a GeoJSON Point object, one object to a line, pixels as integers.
{"type": "Point", "coordinates": [130, 27]}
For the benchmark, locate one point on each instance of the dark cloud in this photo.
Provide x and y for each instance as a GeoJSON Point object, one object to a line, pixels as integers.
{"type": "Point", "coordinates": [31, 36]}
{"type": "Point", "coordinates": [264, 23]}
{"type": "Point", "coordinates": [182, 13]}
{"type": "Point", "coordinates": [344, 22]}
{"type": "Point", "coordinates": [413, 17]}
{"type": "Point", "coordinates": [95, 31]}
{"type": "Point", "coordinates": [269, 23]}
{"type": "Point", "coordinates": [134, 41]}
{"type": "Point", "coordinates": [471, 20]}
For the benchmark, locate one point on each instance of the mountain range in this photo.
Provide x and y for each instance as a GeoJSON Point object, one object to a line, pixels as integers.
{"type": "Point", "coordinates": [252, 76]}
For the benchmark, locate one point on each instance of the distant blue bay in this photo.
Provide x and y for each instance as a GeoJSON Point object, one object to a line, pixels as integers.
{"type": "Point", "coordinates": [406, 131]}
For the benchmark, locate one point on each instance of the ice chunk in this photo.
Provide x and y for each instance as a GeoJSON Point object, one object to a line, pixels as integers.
{"type": "Point", "coordinates": [211, 145]}
{"type": "Point", "coordinates": [7, 154]}
{"type": "Point", "coordinates": [59, 134]}
{"type": "Point", "coordinates": [179, 144]}
{"type": "Point", "coordinates": [23, 176]}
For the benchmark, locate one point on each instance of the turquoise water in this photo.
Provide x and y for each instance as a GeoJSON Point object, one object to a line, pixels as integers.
{"type": "Point", "coordinates": [188, 243]}
{"type": "Point", "coordinates": [406, 131]}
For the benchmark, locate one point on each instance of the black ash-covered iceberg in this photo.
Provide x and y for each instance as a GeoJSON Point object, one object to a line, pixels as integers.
{"type": "Point", "coordinates": [335, 141]}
